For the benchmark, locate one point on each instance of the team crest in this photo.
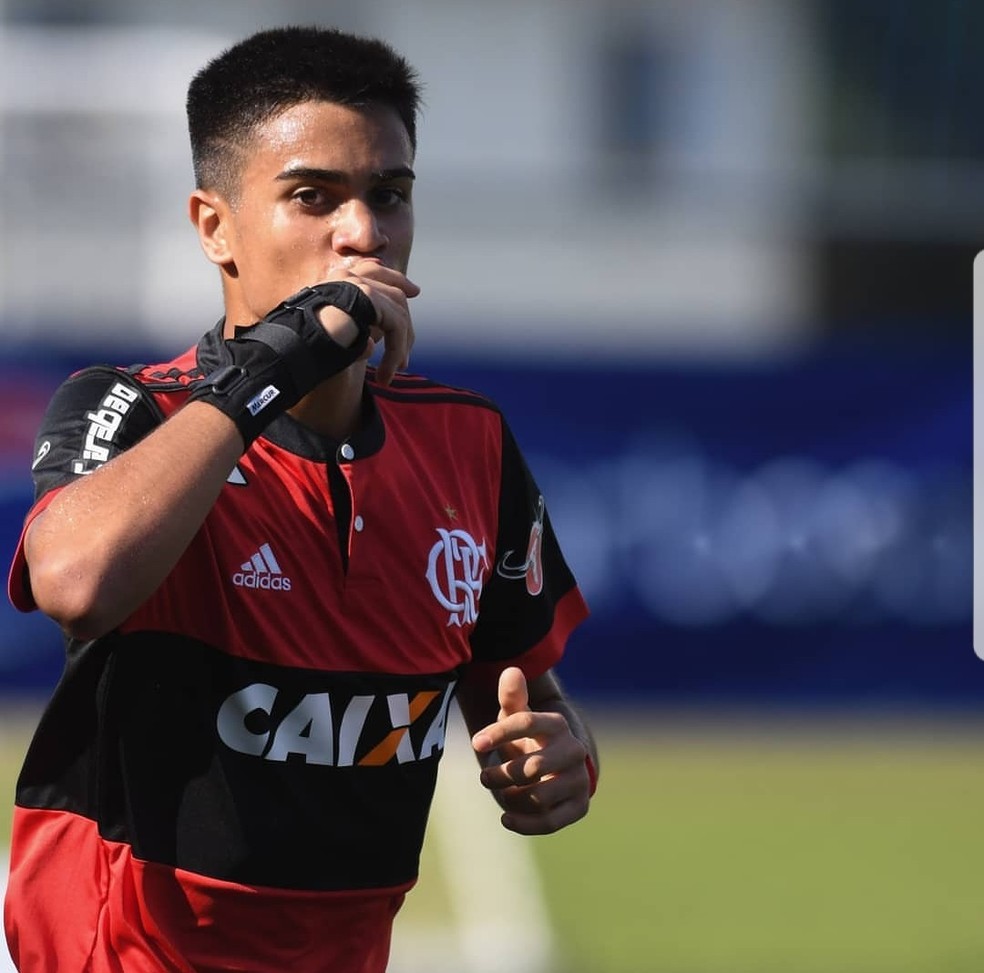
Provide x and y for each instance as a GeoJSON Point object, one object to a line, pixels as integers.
{"type": "Point", "coordinates": [532, 567]}
{"type": "Point", "coordinates": [456, 568]}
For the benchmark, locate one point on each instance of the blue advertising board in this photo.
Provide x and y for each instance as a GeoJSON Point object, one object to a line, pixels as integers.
{"type": "Point", "coordinates": [795, 530]}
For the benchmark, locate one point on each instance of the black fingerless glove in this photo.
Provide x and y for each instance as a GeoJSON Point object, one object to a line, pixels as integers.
{"type": "Point", "coordinates": [276, 362]}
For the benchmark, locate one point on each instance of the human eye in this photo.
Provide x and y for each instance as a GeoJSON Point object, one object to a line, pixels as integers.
{"type": "Point", "coordinates": [389, 197]}
{"type": "Point", "coordinates": [311, 198]}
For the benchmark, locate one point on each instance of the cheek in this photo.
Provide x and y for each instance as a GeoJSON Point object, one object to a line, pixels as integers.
{"type": "Point", "coordinates": [281, 248]}
{"type": "Point", "coordinates": [401, 238]}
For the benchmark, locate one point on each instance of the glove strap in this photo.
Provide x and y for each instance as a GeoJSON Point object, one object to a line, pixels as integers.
{"type": "Point", "coordinates": [277, 361]}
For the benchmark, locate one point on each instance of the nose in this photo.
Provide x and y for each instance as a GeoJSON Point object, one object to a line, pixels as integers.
{"type": "Point", "coordinates": [357, 229]}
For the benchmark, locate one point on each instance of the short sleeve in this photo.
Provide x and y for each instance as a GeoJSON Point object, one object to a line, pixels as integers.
{"type": "Point", "coordinates": [531, 602]}
{"type": "Point", "coordinates": [92, 417]}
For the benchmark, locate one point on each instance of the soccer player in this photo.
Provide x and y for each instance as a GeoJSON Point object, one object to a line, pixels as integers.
{"type": "Point", "coordinates": [275, 566]}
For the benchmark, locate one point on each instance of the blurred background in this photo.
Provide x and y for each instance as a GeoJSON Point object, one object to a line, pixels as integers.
{"type": "Point", "coordinates": [714, 260]}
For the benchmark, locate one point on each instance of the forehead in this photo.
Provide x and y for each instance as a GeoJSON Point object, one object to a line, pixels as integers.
{"type": "Point", "coordinates": [322, 134]}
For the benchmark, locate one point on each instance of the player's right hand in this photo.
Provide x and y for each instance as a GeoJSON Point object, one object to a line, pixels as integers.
{"type": "Point", "coordinates": [389, 290]}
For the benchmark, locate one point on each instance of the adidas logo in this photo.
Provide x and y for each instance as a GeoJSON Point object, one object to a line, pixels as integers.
{"type": "Point", "coordinates": [262, 571]}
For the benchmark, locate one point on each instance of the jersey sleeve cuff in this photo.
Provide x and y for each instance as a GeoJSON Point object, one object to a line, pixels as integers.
{"type": "Point", "coordinates": [18, 580]}
{"type": "Point", "coordinates": [569, 612]}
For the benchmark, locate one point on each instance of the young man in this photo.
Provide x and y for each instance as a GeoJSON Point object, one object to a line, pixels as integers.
{"type": "Point", "coordinates": [274, 566]}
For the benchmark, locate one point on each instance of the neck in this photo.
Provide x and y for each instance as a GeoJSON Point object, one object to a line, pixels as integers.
{"type": "Point", "coordinates": [334, 407]}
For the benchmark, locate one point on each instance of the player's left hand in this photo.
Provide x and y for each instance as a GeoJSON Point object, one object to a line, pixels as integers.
{"type": "Point", "coordinates": [540, 779]}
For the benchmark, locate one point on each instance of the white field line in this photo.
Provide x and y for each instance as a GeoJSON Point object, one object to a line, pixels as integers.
{"type": "Point", "coordinates": [499, 920]}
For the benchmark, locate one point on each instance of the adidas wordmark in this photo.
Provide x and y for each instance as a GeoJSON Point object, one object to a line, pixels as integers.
{"type": "Point", "coordinates": [262, 570]}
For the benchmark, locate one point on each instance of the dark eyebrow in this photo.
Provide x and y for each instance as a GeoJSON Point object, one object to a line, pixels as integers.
{"type": "Point", "coordinates": [313, 174]}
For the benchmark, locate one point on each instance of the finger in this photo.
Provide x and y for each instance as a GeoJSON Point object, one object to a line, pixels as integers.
{"type": "Point", "coordinates": [393, 327]}
{"type": "Point", "coordinates": [519, 770]}
{"type": "Point", "coordinates": [397, 333]}
{"type": "Point", "coordinates": [546, 821]}
{"type": "Point", "coordinates": [542, 797]}
{"type": "Point", "coordinates": [514, 696]}
{"type": "Point", "coordinates": [533, 728]}
{"type": "Point", "coordinates": [389, 364]}
{"type": "Point", "coordinates": [564, 761]}
{"type": "Point", "coordinates": [371, 269]}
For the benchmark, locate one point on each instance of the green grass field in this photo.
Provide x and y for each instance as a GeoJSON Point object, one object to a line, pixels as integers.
{"type": "Point", "coordinates": [735, 846]}
{"type": "Point", "coordinates": [17, 721]}
{"type": "Point", "coordinates": [787, 846]}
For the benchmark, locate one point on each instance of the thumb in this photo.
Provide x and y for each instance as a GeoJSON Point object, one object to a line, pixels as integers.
{"type": "Point", "coordinates": [514, 697]}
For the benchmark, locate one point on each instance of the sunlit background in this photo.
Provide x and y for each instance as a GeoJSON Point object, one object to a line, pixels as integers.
{"type": "Point", "coordinates": [713, 258]}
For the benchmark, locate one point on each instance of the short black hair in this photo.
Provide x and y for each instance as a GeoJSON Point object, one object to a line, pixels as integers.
{"type": "Point", "coordinates": [273, 70]}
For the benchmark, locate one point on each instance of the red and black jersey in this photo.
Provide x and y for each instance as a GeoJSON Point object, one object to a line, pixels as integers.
{"type": "Point", "coordinates": [238, 777]}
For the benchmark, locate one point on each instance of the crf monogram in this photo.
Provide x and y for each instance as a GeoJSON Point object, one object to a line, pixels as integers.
{"type": "Point", "coordinates": [320, 732]}
{"type": "Point", "coordinates": [455, 569]}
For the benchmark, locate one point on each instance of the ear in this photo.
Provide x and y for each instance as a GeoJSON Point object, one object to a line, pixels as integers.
{"type": "Point", "coordinates": [209, 215]}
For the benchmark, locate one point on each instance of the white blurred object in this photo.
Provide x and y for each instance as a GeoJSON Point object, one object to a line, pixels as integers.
{"type": "Point", "coordinates": [499, 921]}
{"type": "Point", "coordinates": [525, 213]}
